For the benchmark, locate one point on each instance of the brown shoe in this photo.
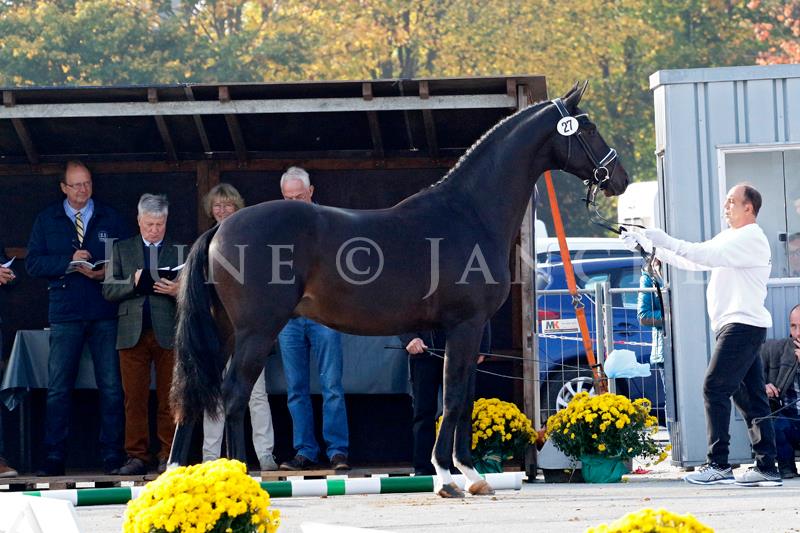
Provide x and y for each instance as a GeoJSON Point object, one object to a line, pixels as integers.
{"type": "Point", "coordinates": [5, 470]}
{"type": "Point", "coordinates": [339, 462]}
{"type": "Point", "coordinates": [133, 467]}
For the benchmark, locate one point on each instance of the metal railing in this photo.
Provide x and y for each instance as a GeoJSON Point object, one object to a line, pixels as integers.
{"type": "Point", "coordinates": [614, 324]}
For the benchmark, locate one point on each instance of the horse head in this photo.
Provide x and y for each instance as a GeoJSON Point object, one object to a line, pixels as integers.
{"type": "Point", "coordinates": [582, 151]}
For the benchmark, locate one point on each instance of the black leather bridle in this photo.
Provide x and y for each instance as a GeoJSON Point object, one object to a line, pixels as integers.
{"type": "Point", "coordinates": [603, 167]}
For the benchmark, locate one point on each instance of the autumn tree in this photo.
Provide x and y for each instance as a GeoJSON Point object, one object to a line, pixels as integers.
{"type": "Point", "coordinates": [776, 23]}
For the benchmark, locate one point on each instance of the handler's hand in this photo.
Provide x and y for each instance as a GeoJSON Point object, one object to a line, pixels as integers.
{"type": "Point", "coordinates": [6, 275]}
{"type": "Point", "coordinates": [416, 346]}
{"type": "Point", "coordinates": [772, 391]}
{"type": "Point", "coordinates": [632, 240]}
{"type": "Point", "coordinates": [797, 349]}
{"type": "Point", "coordinates": [659, 238]}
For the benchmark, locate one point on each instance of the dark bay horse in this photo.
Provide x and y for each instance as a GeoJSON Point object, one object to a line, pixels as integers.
{"type": "Point", "coordinates": [438, 259]}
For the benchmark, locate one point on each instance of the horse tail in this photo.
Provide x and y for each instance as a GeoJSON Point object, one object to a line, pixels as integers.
{"type": "Point", "coordinates": [198, 371]}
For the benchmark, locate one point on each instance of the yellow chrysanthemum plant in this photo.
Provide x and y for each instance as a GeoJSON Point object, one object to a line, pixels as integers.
{"type": "Point", "coordinates": [212, 497]}
{"type": "Point", "coordinates": [607, 425]}
{"type": "Point", "coordinates": [500, 431]}
{"type": "Point", "coordinates": [650, 520]}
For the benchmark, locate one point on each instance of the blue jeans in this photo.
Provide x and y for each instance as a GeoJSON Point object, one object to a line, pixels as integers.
{"type": "Point", "coordinates": [787, 438]}
{"type": "Point", "coordinates": [298, 339]}
{"type": "Point", "coordinates": [66, 346]}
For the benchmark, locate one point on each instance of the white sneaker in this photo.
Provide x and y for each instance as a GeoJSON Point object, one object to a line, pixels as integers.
{"type": "Point", "coordinates": [711, 474]}
{"type": "Point", "coordinates": [268, 463]}
{"type": "Point", "coordinates": [753, 477]}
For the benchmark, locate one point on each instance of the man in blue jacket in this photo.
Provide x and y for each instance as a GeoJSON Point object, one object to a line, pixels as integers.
{"type": "Point", "coordinates": [78, 229]}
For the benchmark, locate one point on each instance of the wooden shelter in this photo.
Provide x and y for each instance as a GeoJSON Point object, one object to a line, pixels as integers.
{"type": "Point", "coordinates": [366, 145]}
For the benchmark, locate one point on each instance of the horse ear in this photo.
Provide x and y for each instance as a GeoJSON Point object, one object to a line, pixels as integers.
{"type": "Point", "coordinates": [574, 95]}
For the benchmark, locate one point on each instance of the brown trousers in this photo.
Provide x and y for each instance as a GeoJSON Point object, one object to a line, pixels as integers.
{"type": "Point", "coordinates": [135, 368]}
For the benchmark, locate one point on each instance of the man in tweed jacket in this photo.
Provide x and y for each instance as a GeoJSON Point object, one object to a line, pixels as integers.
{"type": "Point", "coordinates": [146, 329]}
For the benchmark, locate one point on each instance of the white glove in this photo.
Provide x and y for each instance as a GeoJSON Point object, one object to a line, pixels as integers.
{"type": "Point", "coordinates": [660, 239]}
{"type": "Point", "coordinates": [632, 239]}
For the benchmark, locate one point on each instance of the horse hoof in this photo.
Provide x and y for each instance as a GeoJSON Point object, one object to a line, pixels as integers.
{"type": "Point", "coordinates": [450, 490]}
{"type": "Point", "coordinates": [481, 488]}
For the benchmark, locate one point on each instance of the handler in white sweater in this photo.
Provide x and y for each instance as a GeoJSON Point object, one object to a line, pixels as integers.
{"type": "Point", "coordinates": [740, 262]}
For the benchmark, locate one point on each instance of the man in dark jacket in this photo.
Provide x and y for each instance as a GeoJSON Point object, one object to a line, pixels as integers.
{"type": "Point", "coordinates": [426, 372]}
{"type": "Point", "coordinates": [78, 229]}
{"type": "Point", "coordinates": [7, 277]}
{"type": "Point", "coordinates": [780, 358]}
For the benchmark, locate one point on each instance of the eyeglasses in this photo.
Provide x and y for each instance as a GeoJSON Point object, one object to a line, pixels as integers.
{"type": "Point", "coordinates": [794, 253]}
{"type": "Point", "coordinates": [81, 185]}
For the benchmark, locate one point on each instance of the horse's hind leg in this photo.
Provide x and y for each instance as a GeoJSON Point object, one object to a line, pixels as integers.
{"type": "Point", "coordinates": [181, 441]}
{"type": "Point", "coordinates": [252, 347]}
{"type": "Point", "coordinates": [460, 360]}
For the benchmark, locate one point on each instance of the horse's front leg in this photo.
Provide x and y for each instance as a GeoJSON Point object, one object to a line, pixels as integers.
{"type": "Point", "coordinates": [460, 359]}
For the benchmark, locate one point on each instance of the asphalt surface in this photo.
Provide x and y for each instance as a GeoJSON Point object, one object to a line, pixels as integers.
{"type": "Point", "coordinates": [537, 507]}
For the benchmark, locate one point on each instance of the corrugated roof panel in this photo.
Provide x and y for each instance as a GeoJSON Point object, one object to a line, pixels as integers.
{"type": "Point", "coordinates": [98, 135]}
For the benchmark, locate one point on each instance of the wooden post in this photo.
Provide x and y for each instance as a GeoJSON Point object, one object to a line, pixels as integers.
{"type": "Point", "coordinates": [530, 364]}
{"type": "Point", "coordinates": [207, 178]}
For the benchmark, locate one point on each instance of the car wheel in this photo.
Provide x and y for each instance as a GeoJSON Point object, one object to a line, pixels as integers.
{"type": "Point", "coordinates": [561, 387]}
{"type": "Point", "coordinates": [572, 388]}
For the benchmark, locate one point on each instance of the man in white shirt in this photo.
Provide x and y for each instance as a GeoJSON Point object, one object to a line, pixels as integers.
{"type": "Point", "coordinates": [739, 259]}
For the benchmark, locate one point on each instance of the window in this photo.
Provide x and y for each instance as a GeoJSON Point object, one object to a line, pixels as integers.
{"type": "Point", "coordinates": [597, 279]}
{"type": "Point", "coordinates": [774, 171]}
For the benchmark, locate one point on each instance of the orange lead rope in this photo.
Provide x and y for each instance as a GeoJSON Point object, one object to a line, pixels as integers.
{"type": "Point", "coordinates": [597, 372]}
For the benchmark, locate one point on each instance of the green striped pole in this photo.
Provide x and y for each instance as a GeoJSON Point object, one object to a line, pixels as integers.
{"type": "Point", "coordinates": [85, 497]}
{"type": "Point", "coordinates": [294, 488]}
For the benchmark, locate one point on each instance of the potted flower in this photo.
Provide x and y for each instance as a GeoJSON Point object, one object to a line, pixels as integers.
{"type": "Point", "coordinates": [603, 432]}
{"type": "Point", "coordinates": [500, 431]}
{"type": "Point", "coordinates": [217, 497]}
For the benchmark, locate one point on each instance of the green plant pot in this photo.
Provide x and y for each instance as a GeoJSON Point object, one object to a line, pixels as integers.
{"type": "Point", "coordinates": [602, 469]}
{"type": "Point", "coordinates": [490, 463]}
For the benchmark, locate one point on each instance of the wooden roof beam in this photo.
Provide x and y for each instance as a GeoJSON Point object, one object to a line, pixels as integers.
{"type": "Point", "coordinates": [198, 123]}
{"type": "Point", "coordinates": [374, 125]}
{"type": "Point", "coordinates": [427, 118]}
{"type": "Point", "coordinates": [266, 106]}
{"type": "Point", "coordinates": [161, 124]}
{"type": "Point", "coordinates": [22, 130]}
{"type": "Point", "coordinates": [233, 126]}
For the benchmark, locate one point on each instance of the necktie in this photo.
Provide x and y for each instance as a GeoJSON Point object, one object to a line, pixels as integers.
{"type": "Point", "coordinates": [79, 227]}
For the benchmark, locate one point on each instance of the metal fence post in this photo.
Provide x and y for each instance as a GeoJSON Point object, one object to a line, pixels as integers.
{"type": "Point", "coordinates": [608, 328]}
{"type": "Point", "coordinates": [599, 333]}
